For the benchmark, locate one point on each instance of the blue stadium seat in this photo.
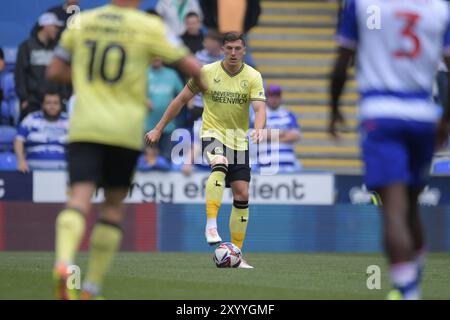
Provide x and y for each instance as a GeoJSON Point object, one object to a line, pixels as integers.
{"type": "Point", "coordinates": [7, 136]}
{"type": "Point", "coordinates": [10, 58]}
{"type": "Point", "coordinates": [8, 161]}
{"type": "Point", "coordinates": [9, 108]}
{"type": "Point", "coordinates": [441, 166]}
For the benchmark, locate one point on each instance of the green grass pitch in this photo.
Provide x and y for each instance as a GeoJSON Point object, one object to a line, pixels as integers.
{"type": "Point", "coordinates": [191, 276]}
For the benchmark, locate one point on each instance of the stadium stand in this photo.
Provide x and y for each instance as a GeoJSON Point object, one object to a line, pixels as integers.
{"type": "Point", "coordinates": [8, 121]}
{"type": "Point", "coordinates": [294, 46]}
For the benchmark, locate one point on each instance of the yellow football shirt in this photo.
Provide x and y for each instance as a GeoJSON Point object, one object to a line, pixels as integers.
{"type": "Point", "coordinates": [110, 49]}
{"type": "Point", "coordinates": [226, 103]}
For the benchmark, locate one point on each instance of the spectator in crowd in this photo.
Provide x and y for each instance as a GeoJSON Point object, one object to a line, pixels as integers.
{"type": "Point", "coordinates": [64, 12]}
{"type": "Point", "coordinates": [164, 84]}
{"type": "Point", "coordinates": [211, 53]}
{"type": "Point", "coordinates": [152, 160]}
{"type": "Point", "coordinates": [33, 57]}
{"type": "Point", "coordinates": [225, 16]}
{"type": "Point", "coordinates": [193, 37]}
{"type": "Point", "coordinates": [41, 139]}
{"type": "Point", "coordinates": [283, 123]}
{"type": "Point", "coordinates": [174, 13]}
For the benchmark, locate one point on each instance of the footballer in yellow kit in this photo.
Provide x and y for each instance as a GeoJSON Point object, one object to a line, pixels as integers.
{"type": "Point", "coordinates": [105, 53]}
{"type": "Point", "coordinates": [232, 87]}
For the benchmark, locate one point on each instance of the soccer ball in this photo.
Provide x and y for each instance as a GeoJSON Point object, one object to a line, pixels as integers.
{"type": "Point", "coordinates": [227, 255]}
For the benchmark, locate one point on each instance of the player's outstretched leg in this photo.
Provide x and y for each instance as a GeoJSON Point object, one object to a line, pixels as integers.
{"type": "Point", "coordinates": [239, 216]}
{"type": "Point", "coordinates": [70, 227]}
{"type": "Point", "coordinates": [398, 242]}
{"type": "Point", "coordinates": [214, 192]}
{"type": "Point", "coordinates": [105, 241]}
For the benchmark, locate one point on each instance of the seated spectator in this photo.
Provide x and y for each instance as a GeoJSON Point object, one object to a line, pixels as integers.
{"type": "Point", "coordinates": [174, 13]}
{"type": "Point", "coordinates": [283, 122]}
{"type": "Point", "coordinates": [193, 37]}
{"type": "Point", "coordinates": [42, 136]}
{"type": "Point", "coordinates": [164, 84]}
{"type": "Point", "coordinates": [151, 160]}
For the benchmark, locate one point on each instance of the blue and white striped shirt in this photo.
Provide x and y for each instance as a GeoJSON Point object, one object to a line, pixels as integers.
{"type": "Point", "coordinates": [269, 154]}
{"type": "Point", "coordinates": [45, 141]}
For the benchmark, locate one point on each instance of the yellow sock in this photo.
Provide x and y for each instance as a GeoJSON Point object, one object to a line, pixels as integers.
{"type": "Point", "coordinates": [214, 190]}
{"type": "Point", "coordinates": [238, 222]}
{"type": "Point", "coordinates": [105, 241]}
{"type": "Point", "coordinates": [70, 225]}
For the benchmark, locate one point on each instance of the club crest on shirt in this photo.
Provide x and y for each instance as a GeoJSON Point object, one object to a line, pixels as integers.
{"type": "Point", "coordinates": [218, 150]}
{"type": "Point", "coordinates": [244, 83]}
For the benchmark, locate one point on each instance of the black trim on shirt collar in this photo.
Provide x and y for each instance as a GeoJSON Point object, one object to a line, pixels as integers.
{"type": "Point", "coordinates": [230, 74]}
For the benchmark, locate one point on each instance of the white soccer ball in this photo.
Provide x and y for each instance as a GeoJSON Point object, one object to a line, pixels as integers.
{"type": "Point", "coordinates": [227, 255]}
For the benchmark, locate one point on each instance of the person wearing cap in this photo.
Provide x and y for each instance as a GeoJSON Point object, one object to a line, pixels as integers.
{"type": "Point", "coordinates": [282, 125]}
{"type": "Point", "coordinates": [33, 57]}
{"type": "Point", "coordinates": [64, 12]}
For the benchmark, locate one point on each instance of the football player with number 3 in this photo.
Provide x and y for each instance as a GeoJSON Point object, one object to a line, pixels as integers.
{"type": "Point", "coordinates": [398, 45]}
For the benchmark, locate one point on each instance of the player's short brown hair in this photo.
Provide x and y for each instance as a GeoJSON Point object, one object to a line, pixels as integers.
{"type": "Point", "coordinates": [233, 36]}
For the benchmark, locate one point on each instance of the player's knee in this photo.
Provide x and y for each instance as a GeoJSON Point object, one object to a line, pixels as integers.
{"type": "Point", "coordinates": [218, 159]}
{"type": "Point", "coordinates": [220, 166]}
{"type": "Point", "coordinates": [241, 195]}
{"type": "Point", "coordinates": [114, 197]}
{"type": "Point", "coordinates": [84, 207]}
{"type": "Point", "coordinates": [113, 214]}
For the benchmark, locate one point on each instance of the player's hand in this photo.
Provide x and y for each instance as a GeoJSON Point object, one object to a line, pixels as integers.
{"type": "Point", "coordinates": [22, 166]}
{"type": "Point", "coordinates": [336, 118]}
{"type": "Point", "coordinates": [152, 137]}
{"type": "Point", "coordinates": [442, 134]}
{"type": "Point", "coordinates": [257, 135]}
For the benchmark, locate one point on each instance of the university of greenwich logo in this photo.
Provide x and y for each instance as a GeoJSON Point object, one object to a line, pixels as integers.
{"type": "Point", "coordinates": [229, 97]}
